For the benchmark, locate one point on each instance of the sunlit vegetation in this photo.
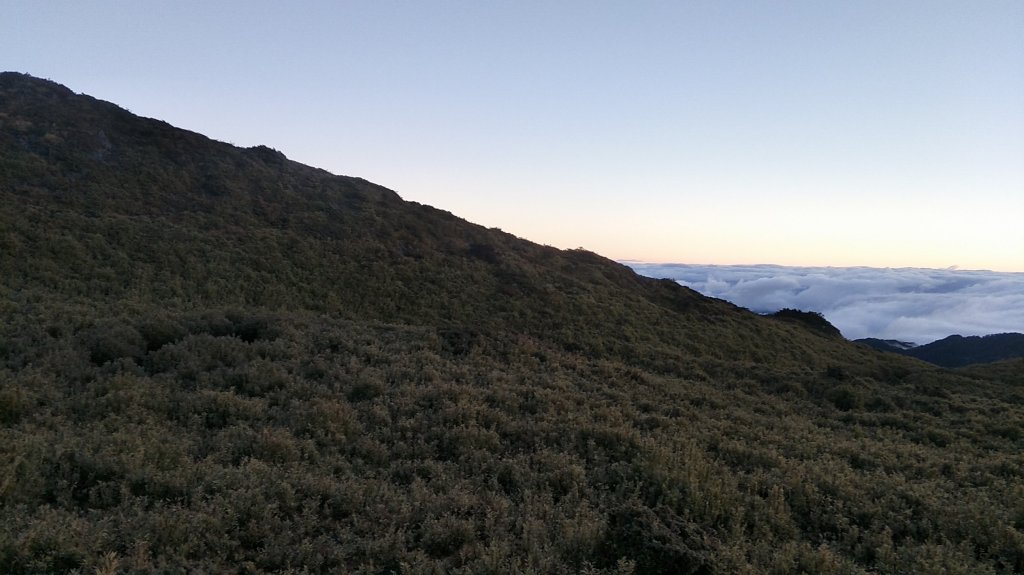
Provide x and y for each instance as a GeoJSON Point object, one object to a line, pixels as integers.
{"type": "Point", "coordinates": [217, 360]}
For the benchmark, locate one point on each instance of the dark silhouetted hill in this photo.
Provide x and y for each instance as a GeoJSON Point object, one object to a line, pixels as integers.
{"type": "Point", "coordinates": [957, 350]}
{"type": "Point", "coordinates": [813, 320]}
{"type": "Point", "coordinates": [216, 359]}
{"type": "Point", "coordinates": [892, 345]}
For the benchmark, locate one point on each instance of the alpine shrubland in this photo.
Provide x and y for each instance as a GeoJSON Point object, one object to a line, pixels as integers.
{"type": "Point", "coordinates": [215, 359]}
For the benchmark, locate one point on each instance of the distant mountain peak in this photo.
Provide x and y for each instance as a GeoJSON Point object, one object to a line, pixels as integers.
{"type": "Point", "coordinates": [887, 344]}
{"type": "Point", "coordinates": [957, 350]}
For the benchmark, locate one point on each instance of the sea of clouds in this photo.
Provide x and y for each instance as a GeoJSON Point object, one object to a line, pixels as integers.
{"type": "Point", "coordinates": [906, 304]}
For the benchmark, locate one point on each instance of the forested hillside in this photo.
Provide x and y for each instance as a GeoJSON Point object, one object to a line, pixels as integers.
{"type": "Point", "coordinates": [215, 359]}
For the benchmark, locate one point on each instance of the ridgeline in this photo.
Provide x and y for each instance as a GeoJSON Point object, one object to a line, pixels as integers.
{"type": "Point", "coordinates": [215, 359]}
{"type": "Point", "coordinates": [957, 350]}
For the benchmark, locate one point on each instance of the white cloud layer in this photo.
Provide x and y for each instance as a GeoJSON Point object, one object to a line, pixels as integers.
{"type": "Point", "coordinates": [907, 304]}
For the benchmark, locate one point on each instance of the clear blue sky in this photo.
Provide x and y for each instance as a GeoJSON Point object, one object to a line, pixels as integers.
{"type": "Point", "coordinates": [885, 133]}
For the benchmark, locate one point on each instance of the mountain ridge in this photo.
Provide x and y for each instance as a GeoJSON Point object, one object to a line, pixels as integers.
{"type": "Point", "coordinates": [343, 213]}
{"type": "Point", "coordinates": [958, 350]}
{"type": "Point", "coordinates": [215, 359]}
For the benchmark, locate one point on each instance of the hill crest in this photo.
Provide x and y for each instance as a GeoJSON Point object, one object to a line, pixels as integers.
{"type": "Point", "coordinates": [151, 194]}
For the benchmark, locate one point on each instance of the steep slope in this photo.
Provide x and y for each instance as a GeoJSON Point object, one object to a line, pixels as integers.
{"type": "Point", "coordinates": [215, 359]}
{"type": "Point", "coordinates": [100, 205]}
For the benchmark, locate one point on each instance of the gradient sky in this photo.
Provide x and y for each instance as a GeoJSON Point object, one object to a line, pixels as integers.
{"type": "Point", "coordinates": [886, 133]}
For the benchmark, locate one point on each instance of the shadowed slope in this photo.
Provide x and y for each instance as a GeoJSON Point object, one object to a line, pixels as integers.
{"type": "Point", "coordinates": [957, 350]}
{"type": "Point", "coordinates": [214, 359]}
{"type": "Point", "coordinates": [103, 206]}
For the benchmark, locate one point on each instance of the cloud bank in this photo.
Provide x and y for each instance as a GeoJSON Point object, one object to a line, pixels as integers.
{"type": "Point", "coordinates": [907, 304]}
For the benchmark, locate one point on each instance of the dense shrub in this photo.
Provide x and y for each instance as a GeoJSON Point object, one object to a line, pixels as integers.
{"type": "Point", "coordinates": [218, 360]}
{"type": "Point", "coordinates": [113, 340]}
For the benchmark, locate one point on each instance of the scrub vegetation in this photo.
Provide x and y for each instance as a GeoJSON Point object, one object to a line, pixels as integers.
{"type": "Point", "coordinates": [214, 359]}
